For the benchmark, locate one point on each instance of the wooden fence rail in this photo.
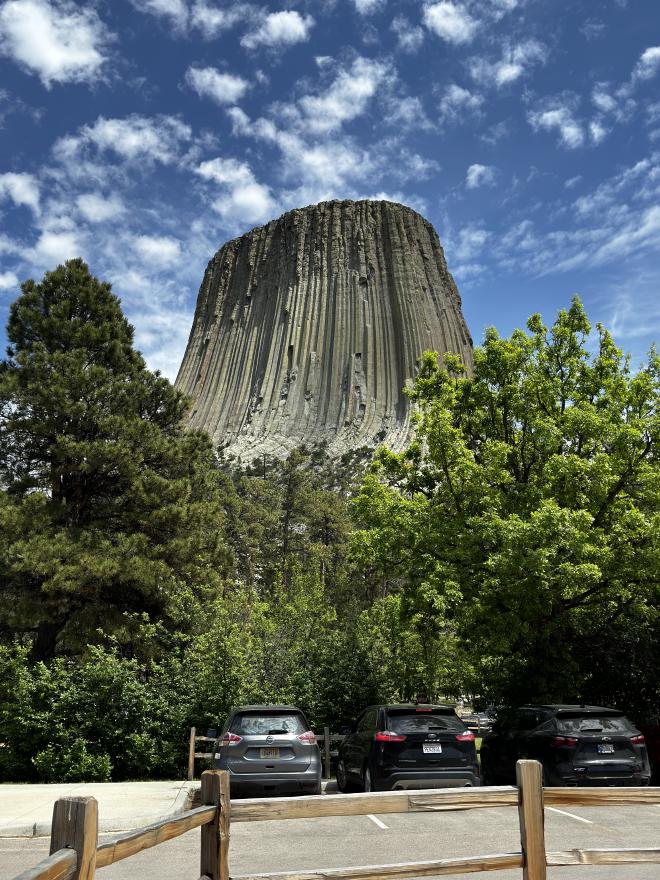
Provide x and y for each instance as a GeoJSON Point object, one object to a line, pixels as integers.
{"type": "Point", "coordinates": [75, 853]}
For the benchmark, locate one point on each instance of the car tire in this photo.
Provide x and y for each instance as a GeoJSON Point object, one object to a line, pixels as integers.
{"type": "Point", "coordinates": [367, 784]}
{"type": "Point", "coordinates": [342, 778]}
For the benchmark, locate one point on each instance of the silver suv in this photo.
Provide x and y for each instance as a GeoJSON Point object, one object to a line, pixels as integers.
{"type": "Point", "coordinates": [269, 750]}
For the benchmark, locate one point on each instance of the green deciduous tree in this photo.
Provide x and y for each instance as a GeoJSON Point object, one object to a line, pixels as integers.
{"type": "Point", "coordinates": [111, 512]}
{"type": "Point", "coordinates": [525, 515]}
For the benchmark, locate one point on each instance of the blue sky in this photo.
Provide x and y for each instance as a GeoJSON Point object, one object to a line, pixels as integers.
{"type": "Point", "coordinates": [143, 134]}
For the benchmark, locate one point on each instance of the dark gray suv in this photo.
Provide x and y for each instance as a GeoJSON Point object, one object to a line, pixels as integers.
{"type": "Point", "coordinates": [269, 750]}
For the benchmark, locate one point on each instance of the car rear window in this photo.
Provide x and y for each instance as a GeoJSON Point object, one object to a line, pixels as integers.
{"type": "Point", "coordinates": [262, 723]}
{"type": "Point", "coordinates": [412, 721]}
{"type": "Point", "coordinates": [596, 723]}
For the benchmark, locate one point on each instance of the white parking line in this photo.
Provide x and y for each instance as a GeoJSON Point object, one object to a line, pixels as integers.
{"type": "Point", "coordinates": [572, 815]}
{"type": "Point", "coordinates": [377, 821]}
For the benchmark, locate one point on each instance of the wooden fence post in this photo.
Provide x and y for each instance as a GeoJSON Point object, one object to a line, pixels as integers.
{"type": "Point", "coordinates": [215, 835]}
{"type": "Point", "coordinates": [76, 826]}
{"type": "Point", "coordinates": [326, 749]}
{"type": "Point", "coordinates": [530, 812]}
{"type": "Point", "coordinates": [191, 754]}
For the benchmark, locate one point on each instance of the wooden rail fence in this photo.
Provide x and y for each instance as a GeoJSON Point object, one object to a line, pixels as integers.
{"type": "Point", "coordinates": [75, 852]}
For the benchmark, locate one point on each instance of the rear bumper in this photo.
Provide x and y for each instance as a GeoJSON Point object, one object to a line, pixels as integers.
{"type": "Point", "coordinates": [265, 784]}
{"type": "Point", "coordinates": [418, 779]}
{"type": "Point", "coordinates": [585, 780]}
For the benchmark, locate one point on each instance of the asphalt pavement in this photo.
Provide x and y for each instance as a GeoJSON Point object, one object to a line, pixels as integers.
{"type": "Point", "coordinates": [363, 840]}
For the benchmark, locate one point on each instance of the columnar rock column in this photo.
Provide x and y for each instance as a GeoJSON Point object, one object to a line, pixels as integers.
{"type": "Point", "coordinates": [307, 329]}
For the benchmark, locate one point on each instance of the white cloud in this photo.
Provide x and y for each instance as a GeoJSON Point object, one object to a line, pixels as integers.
{"type": "Point", "coordinates": [97, 208]}
{"type": "Point", "coordinates": [162, 251]}
{"type": "Point", "coordinates": [212, 20]}
{"type": "Point", "coordinates": [346, 98]}
{"type": "Point", "coordinates": [56, 39]}
{"type": "Point", "coordinates": [602, 100]}
{"type": "Point", "coordinates": [648, 64]}
{"type": "Point", "coordinates": [450, 22]}
{"type": "Point", "coordinates": [409, 36]}
{"type": "Point", "coordinates": [279, 29]}
{"type": "Point", "coordinates": [143, 138]}
{"type": "Point", "coordinates": [55, 246]}
{"type": "Point", "coordinates": [366, 7]}
{"type": "Point", "coordinates": [22, 189]}
{"type": "Point", "coordinates": [242, 199]}
{"type": "Point", "coordinates": [175, 11]}
{"type": "Point", "coordinates": [469, 244]}
{"type": "Point", "coordinates": [457, 103]}
{"type": "Point", "coordinates": [479, 175]}
{"type": "Point", "coordinates": [8, 280]}
{"type": "Point", "coordinates": [559, 116]}
{"type": "Point", "coordinates": [516, 61]}
{"type": "Point", "coordinates": [597, 131]}
{"type": "Point", "coordinates": [223, 88]}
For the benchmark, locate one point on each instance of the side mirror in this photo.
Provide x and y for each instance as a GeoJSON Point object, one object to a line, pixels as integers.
{"type": "Point", "coordinates": [211, 733]}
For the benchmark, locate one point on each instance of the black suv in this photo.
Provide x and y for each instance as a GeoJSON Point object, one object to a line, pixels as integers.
{"type": "Point", "coordinates": [408, 746]}
{"type": "Point", "coordinates": [576, 745]}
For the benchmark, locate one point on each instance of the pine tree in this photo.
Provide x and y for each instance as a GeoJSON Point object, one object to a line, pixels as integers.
{"type": "Point", "coordinates": [112, 514]}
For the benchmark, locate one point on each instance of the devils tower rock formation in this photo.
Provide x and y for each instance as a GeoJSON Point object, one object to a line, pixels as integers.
{"type": "Point", "coordinates": [307, 329]}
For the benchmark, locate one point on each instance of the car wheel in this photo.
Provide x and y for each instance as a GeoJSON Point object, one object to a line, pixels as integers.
{"type": "Point", "coordinates": [366, 785]}
{"type": "Point", "coordinates": [342, 781]}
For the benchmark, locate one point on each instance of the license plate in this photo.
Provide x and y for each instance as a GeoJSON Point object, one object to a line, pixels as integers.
{"type": "Point", "coordinates": [605, 748]}
{"type": "Point", "coordinates": [269, 753]}
{"type": "Point", "coordinates": [431, 748]}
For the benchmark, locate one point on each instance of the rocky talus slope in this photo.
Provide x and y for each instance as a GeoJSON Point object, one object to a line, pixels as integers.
{"type": "Point", "coordinates": [307, 329]}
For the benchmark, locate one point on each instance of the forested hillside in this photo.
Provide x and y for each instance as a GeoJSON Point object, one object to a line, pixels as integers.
{"type": "Point", "coordinates": [146, 584]}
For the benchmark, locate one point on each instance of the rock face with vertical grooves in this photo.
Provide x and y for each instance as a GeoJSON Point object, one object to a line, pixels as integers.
{"type": "Point", "coordinates": [307, 329]}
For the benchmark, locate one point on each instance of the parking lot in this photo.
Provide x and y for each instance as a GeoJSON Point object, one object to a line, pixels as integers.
{"type": "Point", "coordinates": [371, 840]}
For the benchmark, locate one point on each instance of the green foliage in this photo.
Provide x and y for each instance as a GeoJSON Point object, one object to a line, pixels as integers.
{"type": "Point", "coordinates": [111, 510]}
{"type": "Point", "coordinates": [510, 552]}
{"type": "Point", "coordinates": [524, 516]}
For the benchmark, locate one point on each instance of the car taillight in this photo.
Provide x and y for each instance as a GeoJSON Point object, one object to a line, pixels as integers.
{"type": "Point", "coordinates": [230, 739]}
{"type": "Point", "coordinates": [467, 737]}
{"type": "Point", "coordinates": [307, 738]}
{"type": "Point", "coordinates": [637, 740]}
{"type": "Point", "coordinates": [564, 742]}
{"type": "Point", "coordinates": [389, 736]}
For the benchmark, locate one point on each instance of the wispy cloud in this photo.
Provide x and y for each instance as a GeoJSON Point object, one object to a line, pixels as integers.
{"type": "Point", "coordinates": [132, 138]}
{"type": "Point", "coordinates": [451, 22]}
{"type": "Point", "coordinates": [278, 30]}
{"type": "Point", "coordinates": [223, 88]}
{"type": "Point", "coordinates": [648, 65]}
{"type": "Point", "coordinates": [558, 114]}
{"type": "Point", "coordinates": [346, 98]}
{"type": "Point", "coordinates": [479, 175]}
{"type": "Point", "coordinates": [516, 61]}
{"type": "Point", "coordinates": [174, 11]}
{"type": "Point", "coordinates": [367, 7]}
{"type": "Point", "coordinates": [458, 103]}
{"type": "Point", "coordinates": [240, 198]}
{"type": "Point", "coordinates": [22, 189]}
{"type": "Point", "coordinates": [410, 36]}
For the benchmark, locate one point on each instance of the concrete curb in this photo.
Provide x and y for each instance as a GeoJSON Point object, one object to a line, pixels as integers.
{"type": "Point", "coordinates": [182, 802]}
